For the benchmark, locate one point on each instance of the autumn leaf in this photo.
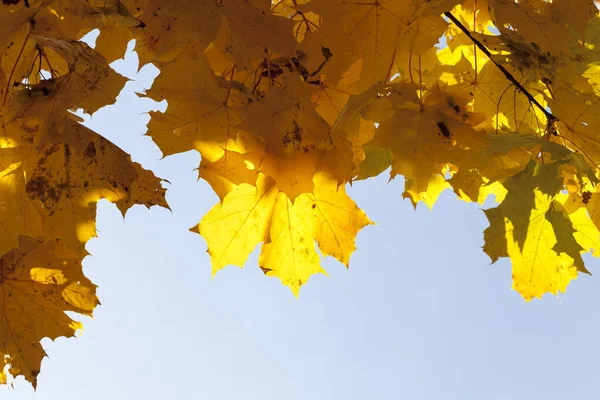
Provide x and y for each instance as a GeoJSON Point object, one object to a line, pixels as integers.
{"type": "Point", "coordinates": [262, 214]}
{"type": "Point", "coordinates": [374, 32]}
{"type": "Point", "coordinates": [89, 83]}
{"type": "Point", "coordinates": [53, 171]}
{"type": "Point", "coordinates": [239, 28]}
{"type": "Point", "coordinates": [291, 132]}
{"type": "Point", "coordinates": [335, 219]}
{"type": "Point", "coordinates": [234, 227]}
{"type": "Point", "coordinates": [531, 228]}
{"type": "Point", "coordinates": [69, 178]}
{"type": "Point", "coordinates": [39, 281]}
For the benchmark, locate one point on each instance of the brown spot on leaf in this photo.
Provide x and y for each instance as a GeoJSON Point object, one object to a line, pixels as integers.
{"type": "Point", "coordinates": [265, 269]}
{"type": "Point", "coordinates": [586, 196]}
{"type": "Point", "coordinates": [293, 137]}
{"type": "Point", "coordinates": [39, 188]}
{"type": "Point", "coordinates": [90, 151]}
{"type": "Point", "coordinates": [444, 129]}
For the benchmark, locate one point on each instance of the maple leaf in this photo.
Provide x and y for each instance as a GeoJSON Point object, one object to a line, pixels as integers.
{"type": "Point", "coordinates": [545, 24]}
{"type": "Point", "coordinates": [70, 177]}
{"type": "Point", "coordinates": [291, 132]}
{"type": "Point", "coordinates": [202, 118]}
{"type": "Point", "coordinates": [335, 219]}
{"type": "Point", "coordinates": [434, 134]}
{"type": "Point", "coordinates": [37, 113]}
{"type": "Point", "coordinates": [373, 31]}
{"type": "Point", "coordinates": [536, 234]}
{"type": "Point", "coordinates": [251, 215]}
{"type": "Point", "coordinates": [57, 170]}
{"type": "Point", "coordinates": [90, 83]}
{"type": "Point", "coordinates": [39, 281]}
{"type": "Point", "coordinates": [240, 28]}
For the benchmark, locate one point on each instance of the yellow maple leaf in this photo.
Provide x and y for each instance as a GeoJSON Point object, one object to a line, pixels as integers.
{"type": "Point", "coordinates": [543, 242]}
{"type": "Point", "coordinates": [233, 228]}
{"type": "Point", "coordinates": [335, 219]}
{"type": "Point", "coordinates": [289, 251]}
{"type": "Point", "coordinates": [240, 28]}
{"type": "Point", "coordinates": [296, 140]}
{"type": "Point", "coordinates": [70, 177]}
{"type": "Point", "coordinates": [373, 31]}
{"type": "Point", "coordinates": [250, 215]}
{"type": "Point", "coordinates": [90, 82]}
{"type": "Point", "coordinates": [39, 281]}
{"type": "Point", "coordinates": [435, 131]}
{"type": "Point", "coordinates": [539, 266]}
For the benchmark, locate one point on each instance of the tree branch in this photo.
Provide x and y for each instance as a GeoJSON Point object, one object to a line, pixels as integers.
{"type": "Point", "coordinates": [549, 116]}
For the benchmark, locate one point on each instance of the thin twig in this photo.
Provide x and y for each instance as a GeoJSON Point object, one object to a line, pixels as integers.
{"type": "Point", "coordinates": [474, 45]}
{"type": "Point", "coordinates": [549, 116]}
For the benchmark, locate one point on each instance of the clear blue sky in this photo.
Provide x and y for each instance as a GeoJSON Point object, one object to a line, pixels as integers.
{"type": "Point", "coordinates": [421, 314]}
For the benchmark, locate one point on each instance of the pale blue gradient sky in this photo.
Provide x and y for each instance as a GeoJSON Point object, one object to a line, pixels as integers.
{"type": "Point", "coordinates": [419, 315]}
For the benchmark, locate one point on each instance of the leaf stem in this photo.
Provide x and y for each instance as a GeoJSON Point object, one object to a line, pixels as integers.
{"type": "Point", "coordinates": [53, 73]}
{"type": "Point", "coordinates": [14, 67]}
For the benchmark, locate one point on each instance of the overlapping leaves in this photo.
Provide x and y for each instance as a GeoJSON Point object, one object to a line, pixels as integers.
{"type": "Point", "coordinates": [290, 100]}
{"type": "Point", "coordinates": [53, 172]}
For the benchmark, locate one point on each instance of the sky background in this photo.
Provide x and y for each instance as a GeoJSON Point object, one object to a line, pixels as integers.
{"type": "Point", "coordinates": [421, 314]}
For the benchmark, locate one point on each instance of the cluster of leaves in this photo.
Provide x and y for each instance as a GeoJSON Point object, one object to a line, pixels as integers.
{"type": "Point", "coordinates": [287, 101]}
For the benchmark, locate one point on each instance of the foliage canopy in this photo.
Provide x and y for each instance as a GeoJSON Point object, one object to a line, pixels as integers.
{"type": "Point", "coordinates": [287, 102]}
